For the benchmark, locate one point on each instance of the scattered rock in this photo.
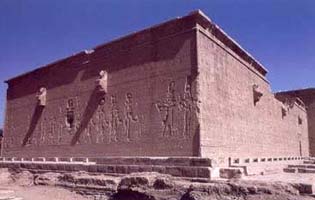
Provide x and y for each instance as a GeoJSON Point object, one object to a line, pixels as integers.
{"type": "Point", "coordinates": [131, 182]}
{"type": "Point", "coordinates": [303, 188]}
{"type": "Point", "coordinates": [49, 178]}
{"type": "Point", "coordinates": [163, 183]}
{"type": "Point", "coordinates": [131, 195]}
{"type": "Point", "coordinates": [22, 178]}
{"type": "Point", "coordinates": [194, 195]}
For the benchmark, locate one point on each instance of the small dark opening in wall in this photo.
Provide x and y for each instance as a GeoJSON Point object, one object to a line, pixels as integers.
{"type": "Point", "coordinates": [70, 119]}
{"type": "Point", "coordinates": [300, 120]}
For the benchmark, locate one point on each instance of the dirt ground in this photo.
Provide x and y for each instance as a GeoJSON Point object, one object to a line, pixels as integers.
{"type": "Point", "coordinates": [23, 185]}
{"type": "Point", "coordinates": [284, 177]}
{"type": "Point", "coordinates": [11, 192]}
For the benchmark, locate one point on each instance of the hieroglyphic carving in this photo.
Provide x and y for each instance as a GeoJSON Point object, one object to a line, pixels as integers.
{"type": "Point", "coordinates": [185, 103]}
{"type": "Point", "coordinates": [70, 114]}
{"type": "Point", "coordinates": [90, 131]}
{"type": "Point", "coordinates": [141, 125]}
{"type": "Point", "coordinates": [167, 106]}
{"type": "Point", "coordinates": [43, 131]}
{"type": "Point", "coordinates": [60, 125]}
{"type": "Point", "coordinates": [115, 120]}
{"type": "Point", "coordinates": [112, 121]}
{"type": "Point", "coordinates": [130, 117]}
{"type": "Point", "coordinates": [188, 104]}
{"type": "Point", "coordinates": [101, 126]}
{"type": "Point", "coordinates": [51, 131]}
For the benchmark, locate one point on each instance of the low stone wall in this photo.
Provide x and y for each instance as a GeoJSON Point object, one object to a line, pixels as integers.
{"type": "Point", "coordinates": [237, 161]}
{"type": "Point", "coordinates": [261, 166]}
{"type": "Point", "coordinates": [179, 167]}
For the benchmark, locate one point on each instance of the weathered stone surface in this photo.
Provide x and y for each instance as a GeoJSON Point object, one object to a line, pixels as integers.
{"type": "Point", "coordinates": [304, 188]}
{"type": "Point", "coordinates": [231, 124]}
{"type": "Point", "coordinates": [49, 178]}
{"type": "Point", "coordinates": [308, 98]}
{"type": "Point", "coordinates": [22, 178]}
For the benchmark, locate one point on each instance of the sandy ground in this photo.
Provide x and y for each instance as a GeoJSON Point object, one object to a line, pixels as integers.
{"type": "Point", "coordinates": [11, 192]}
{"type": "Point", "coordinates": [284, 177]}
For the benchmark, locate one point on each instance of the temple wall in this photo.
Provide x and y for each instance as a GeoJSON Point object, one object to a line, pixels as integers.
{"type": "Point", "coordinates": [307, 96]}
{"type": "Point", "coordinates": [176, 89]}
{"type": "Point", "coordinates": [311, 127]}
{"type": "Point", "coordinates": [150, 108]}
{"type": "Point", "coordinates": [230, 124]}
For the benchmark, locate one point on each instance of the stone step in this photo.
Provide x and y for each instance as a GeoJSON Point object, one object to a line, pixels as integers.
{"type": "Point", "coordinates": [302, 166]}
{"type": "Point", "coordinates": [162, 161]}
{"type": "Point", "coordinates": [178, 171]}
{"type": "Point", "coordinates": [306, 171]}
{"type": "Point", "coordinates": [299, 170]}
{"type": "Point", "coordinates": [309, 161]}
{"type": "Point", "coordinates": [290, 170]}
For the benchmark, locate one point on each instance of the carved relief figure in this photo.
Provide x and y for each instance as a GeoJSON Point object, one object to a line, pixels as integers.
{"type": "Point", "coordinates": [70, 114]}
{"type": "Point", "coordinates": [44, 131]}
{"type": "Point", "coordinates": [100, 137]}
{"type": "Point", "coordinates": [130, 117]}
{"type": "Point", "coordinates": [168, 107]}
{"type": "Point", "coordinates": [115, 120]}
{"type": "Point", "coordinates": [90, 131]}
{"type": "Point", "coordinates": [188, 103]}
{"type": "Point", "coordinates": [52, 131]}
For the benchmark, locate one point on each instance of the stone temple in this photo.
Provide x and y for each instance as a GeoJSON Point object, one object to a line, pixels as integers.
{"type": "Point", "coordinates": [180, 89]}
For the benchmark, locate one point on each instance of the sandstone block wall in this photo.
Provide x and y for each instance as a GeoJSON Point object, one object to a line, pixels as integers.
{"type": "Point", "coordinates": [182, 88]}
{"type": "Point", "coordinates": [308, 98]}
{"type": "Point", "coordinates": [311, 127]}
{"type": "Point", "coordinates": [231, 125]}
{"type": "Point", "coordinates": [149, 109]}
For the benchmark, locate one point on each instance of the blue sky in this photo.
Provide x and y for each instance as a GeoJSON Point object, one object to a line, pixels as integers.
{"type": "Point", "coordinates": [279, 33]}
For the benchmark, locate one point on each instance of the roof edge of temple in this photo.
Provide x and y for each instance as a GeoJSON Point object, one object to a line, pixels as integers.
{"type": "Point", "coordinates": [207, 23]}
{"type": "Point", "coordinates": [297, 90]}
{"type": "Point", "coordinates": [199, 17]}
